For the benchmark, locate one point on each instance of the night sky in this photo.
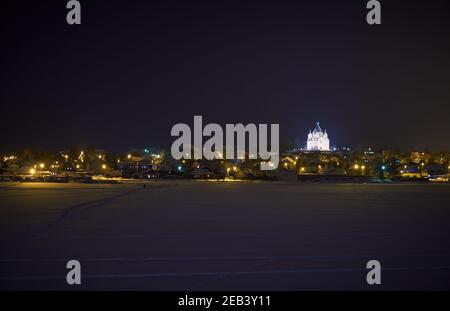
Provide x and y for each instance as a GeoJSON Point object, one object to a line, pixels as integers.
{"type": "Point", "coordinates": [133, 69]}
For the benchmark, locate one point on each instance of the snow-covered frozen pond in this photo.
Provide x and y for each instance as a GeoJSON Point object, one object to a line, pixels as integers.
{"type": "Point", "coordinates": [187, 235]}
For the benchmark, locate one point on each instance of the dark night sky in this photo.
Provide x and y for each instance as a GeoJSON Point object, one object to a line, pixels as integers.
{"type": "Point", "coordinates": [133, 69]}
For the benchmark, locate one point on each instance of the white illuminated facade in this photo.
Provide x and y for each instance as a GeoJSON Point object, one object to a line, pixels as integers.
{"type": "Point", "coordinates": [318, 140]}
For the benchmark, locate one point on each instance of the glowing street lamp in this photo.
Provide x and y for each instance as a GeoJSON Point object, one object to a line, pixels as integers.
{"type": "Point", "coordinates": [363, 170]}
{"type": "Point", "coordinates": [32, 171]}
{"type": "Point", "coordinates": [104, 166]}
{"type": "Point", "coordinates": [356, 166]}
{"type": "Point", "coordinates": [41, 165]}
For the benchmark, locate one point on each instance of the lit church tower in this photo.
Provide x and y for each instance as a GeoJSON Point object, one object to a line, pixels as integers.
{"type": "Point", "coordinates": [318, 140]}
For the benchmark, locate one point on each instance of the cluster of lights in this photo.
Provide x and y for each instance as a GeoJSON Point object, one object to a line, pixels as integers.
{"type": "Point", "coordinates": [9, 158]}
{"type": "Point", "coordinates": [268, 163]}
{"type": "Point", "coordinates": [33, 169]}
{"type": "Point", "coordinates": [234, 168]}
{"type": "Point", "coordinates": [369, 151]}
{"type": "Point", "coordinates": [357, 167]}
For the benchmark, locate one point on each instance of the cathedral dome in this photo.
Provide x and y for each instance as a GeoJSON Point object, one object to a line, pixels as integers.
{"type": "Point", "coordinates": [318, 140]}
{"type": "Point", "coordinates": [317, 129]}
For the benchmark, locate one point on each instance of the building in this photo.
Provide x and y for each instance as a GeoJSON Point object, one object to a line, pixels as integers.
{"type": "Point", "coordinates": [318, 140]}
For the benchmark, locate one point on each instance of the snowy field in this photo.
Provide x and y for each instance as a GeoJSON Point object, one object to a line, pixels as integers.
{"type": "Point", "coordinates": [187, 235]}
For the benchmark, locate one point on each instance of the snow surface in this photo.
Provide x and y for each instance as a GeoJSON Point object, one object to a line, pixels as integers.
{"type": "Point", "coordinates": [199, 235]}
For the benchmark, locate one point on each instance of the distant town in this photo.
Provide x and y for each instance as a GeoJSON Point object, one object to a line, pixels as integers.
{"type": "Point", "coordinates": [316, 162]}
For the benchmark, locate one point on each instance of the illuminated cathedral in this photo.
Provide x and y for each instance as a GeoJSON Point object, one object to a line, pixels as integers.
{"type": "Point", "coordinates": [318, 140]}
